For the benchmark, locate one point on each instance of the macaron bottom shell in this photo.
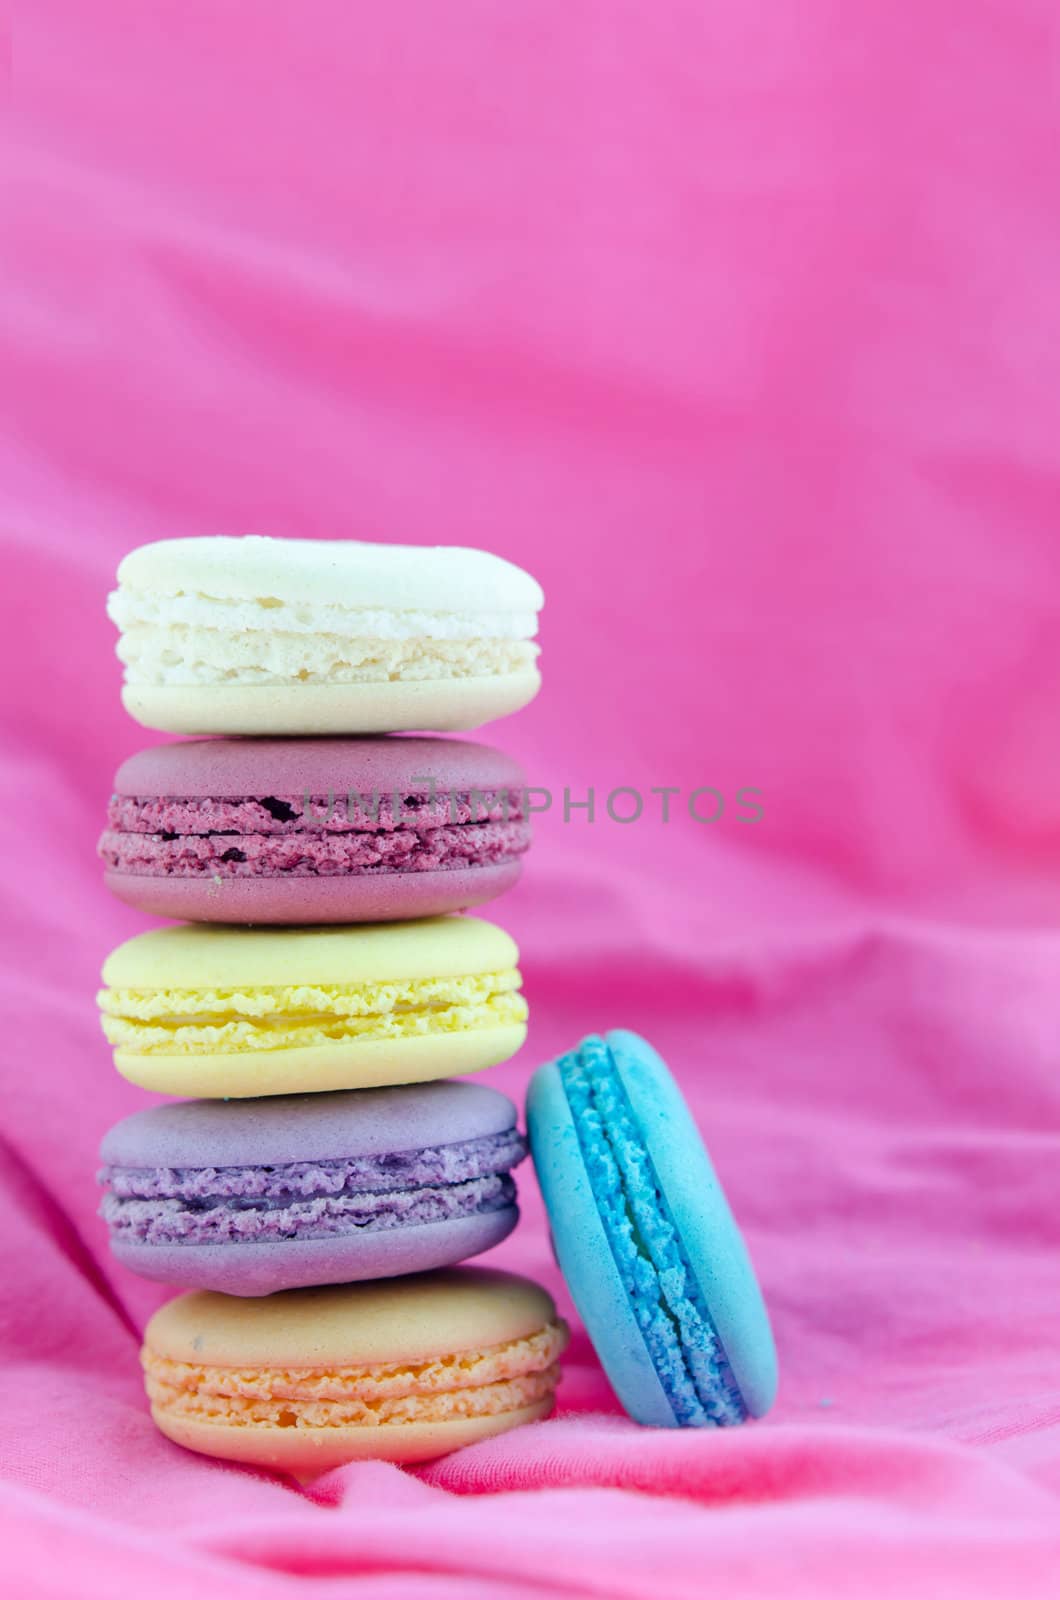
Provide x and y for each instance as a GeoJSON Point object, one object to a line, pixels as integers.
{"type": "Point", "coordinates": [344, 1064]}
{"type": "Point", "coordinates": [264, 1268]}
{"type": "Point", "coordinates": [306, 1453]}
{"type": "Point", "coordinates": [452, 705]}
{"type": "Point", "coordinates": [290, 901]}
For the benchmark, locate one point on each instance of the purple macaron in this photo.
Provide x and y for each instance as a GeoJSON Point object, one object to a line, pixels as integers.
{"type": "Point", "coordinates": [252, 1196]}
{"type": "Point", "coordinates": [314, 830]}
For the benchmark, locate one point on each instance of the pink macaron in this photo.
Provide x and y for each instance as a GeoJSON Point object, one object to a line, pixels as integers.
{"type": "Point", "coordinates": [314, 830]}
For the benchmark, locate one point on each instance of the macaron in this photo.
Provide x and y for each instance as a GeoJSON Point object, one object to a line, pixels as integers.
{"type": "Point", "coordinates": [210, 1012]}
{"type": "Point", "coordinates": [399, 1370]}
{"type": "Point", "coordinates": [314, 830]}
{"type": "Point", "coordinates": [253, 1196]}
{"type": "Point", "coordinates": [645, 1238]}
{"type": "Point", "coordinates": [306, 636]}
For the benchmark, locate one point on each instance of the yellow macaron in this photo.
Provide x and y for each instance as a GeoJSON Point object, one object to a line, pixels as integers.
{"type": "Point", "coordinates": [216, 1012]}
{"type": "Point", "coordinates": [399, 1370]}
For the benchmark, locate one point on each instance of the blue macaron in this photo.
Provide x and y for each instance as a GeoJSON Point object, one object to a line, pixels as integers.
{"type": "Point", "coordinates": [645, 1239]}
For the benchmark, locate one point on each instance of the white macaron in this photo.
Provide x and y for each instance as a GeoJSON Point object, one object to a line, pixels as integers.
{"type": "Point", "coordinates": [298, 636]}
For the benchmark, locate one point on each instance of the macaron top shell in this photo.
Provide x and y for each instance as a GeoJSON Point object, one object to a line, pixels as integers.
{"type": "Point", "coordinates": [234, 768]}
{"type": "Point", "coordinates": [216, 957]}
{"type": "Point", "coordinates": [307, 1127]}
{"type": "Point", "coordinates": [332, 571]}
{"type": "Point", "coordinates": [389, 1321]}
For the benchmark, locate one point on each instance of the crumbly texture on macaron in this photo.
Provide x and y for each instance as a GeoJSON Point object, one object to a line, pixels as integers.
{"type": "Point", "coordinates": [323, 1216]}
{"type": "Point", "coordinates": [332, 836]}
{"type": "Point", "coordinates": [666, 1300]}
{"type": "Point", "coordinates": [191, 1021]}
{"type": "Point", "coordinates": [364, 1174]}
{"type": "Point", "coordinates": [309, 1199]}
{"type": "Point", "coordinates": [467, 1383]}
{"type": "Point", "coordinates": [284, 814]}
{"type": "Point", "coordinates": [184, 639]}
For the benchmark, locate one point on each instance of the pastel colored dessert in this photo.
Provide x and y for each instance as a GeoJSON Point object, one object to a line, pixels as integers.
{"type": "Point", "coordinates": [314, 830]}
{"type": "Point", "coordinates": [400, 1370]}
{"type": "Point", "coordinates": [645, 1239]}
{"type": "Point", "coordinates": [213, 1012]}
{"type": "Point", "coordinates": [252, 1196]}
{"type": "Point", "coordinates": [304, 636]}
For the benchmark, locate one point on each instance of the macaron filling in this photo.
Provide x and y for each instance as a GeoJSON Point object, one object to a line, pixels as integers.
{"type": "Point", "coordinates": [170, 639]}
{"type": "Point", "coordinates": [665, 1297]}
{"type": "Point", "coordinates": [193, 1021]}
{"type": "Point", "coordinates": [491, 1381]}
{"type": "Point", "coordinates": [315, 836]}
{"type": "Point", "coordinates": [311, 1199]}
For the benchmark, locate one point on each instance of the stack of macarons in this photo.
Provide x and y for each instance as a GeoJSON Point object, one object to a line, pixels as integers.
{"type": "Point", "coordinates": [327, 1168]}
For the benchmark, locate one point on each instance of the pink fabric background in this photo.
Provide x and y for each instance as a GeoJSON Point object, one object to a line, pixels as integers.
{"type": "Point", "coordinates": [737, 324]}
